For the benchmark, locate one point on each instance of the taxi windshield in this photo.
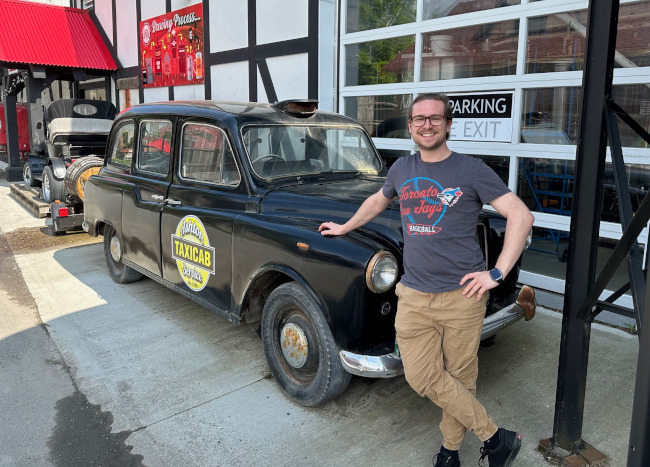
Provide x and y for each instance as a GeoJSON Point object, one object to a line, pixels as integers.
{"type": "Point", "coordinates": [293, 150]}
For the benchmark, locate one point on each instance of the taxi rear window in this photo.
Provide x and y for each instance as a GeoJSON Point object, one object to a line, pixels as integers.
{"type": "Point", "coordinates": [121, 152]}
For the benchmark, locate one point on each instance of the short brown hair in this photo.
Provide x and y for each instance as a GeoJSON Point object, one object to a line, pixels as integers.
{"type": "Point", "coordinates": [434, 96]}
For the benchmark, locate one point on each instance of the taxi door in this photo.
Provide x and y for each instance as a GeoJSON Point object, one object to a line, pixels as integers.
{"type": "Point", "coordinates": [206, 196]}
{"type": "Point", "coordinates": [149, 182]}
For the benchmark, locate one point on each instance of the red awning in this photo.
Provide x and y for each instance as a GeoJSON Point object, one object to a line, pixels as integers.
{"type": "Point", "coordinates": [38, 34]}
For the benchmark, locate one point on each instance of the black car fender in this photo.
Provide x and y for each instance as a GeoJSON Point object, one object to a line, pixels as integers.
{"type": "Point", "coordinates": [333, 269]}
{"type": "Point", "coordinates": [58, 167]}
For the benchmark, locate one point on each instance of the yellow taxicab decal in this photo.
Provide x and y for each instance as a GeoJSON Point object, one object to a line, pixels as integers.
{"type": "Point", "coordinates": [192, 251]}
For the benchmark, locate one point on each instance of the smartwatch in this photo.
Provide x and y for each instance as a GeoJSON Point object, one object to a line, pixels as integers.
{"type": "Point", "coordinates": [496, 275]}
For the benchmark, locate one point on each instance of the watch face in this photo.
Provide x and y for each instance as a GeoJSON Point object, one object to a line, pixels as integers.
{"type": "Point", "coordinates": [496, 276]}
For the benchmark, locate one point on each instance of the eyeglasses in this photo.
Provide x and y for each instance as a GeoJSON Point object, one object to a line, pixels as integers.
{"type": "Point", "coordinates": [435, 120]}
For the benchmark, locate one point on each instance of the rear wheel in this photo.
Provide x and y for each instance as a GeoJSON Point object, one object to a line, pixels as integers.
{"type": "Point", "coordinates": [120, 273]}
{"type": "Point", "coordinates": [28, 177]}
{"type": "Point", "coordinates": [53, 188]}
{"type": "Point", "coordinates": [299, 347]}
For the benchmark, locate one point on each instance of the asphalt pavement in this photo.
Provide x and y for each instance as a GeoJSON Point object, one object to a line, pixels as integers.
{"type": "Point", "coordinates": [96, 373]}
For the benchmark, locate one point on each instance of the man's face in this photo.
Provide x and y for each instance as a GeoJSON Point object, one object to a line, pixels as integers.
{"type": "Point", "coordinates": [429, 137]}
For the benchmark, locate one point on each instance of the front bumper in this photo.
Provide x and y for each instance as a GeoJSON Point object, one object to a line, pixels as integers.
{"type": "Point", "coordinates": [390, 365]}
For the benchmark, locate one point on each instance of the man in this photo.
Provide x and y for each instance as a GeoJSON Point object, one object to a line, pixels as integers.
{"type": "Point", "coordinates": [443, 291]}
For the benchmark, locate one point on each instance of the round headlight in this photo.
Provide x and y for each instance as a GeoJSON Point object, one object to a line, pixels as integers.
{"type": "Point", "coordinates": [382, 272]}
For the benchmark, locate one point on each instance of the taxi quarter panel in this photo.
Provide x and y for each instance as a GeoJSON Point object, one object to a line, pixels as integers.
{"type": "Point", "coordinates": [103, 202]}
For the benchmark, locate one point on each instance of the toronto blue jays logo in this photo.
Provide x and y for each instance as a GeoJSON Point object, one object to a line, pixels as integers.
{"type": "Point", "coordinates": [450, 196]}
{"type": "Point", "coordinates": [423, 203]}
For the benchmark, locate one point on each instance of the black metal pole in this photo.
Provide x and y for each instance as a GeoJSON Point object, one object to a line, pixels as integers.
{"type": "Point", "coordinates": [15, 171]}
{"type": "Point", "coordinates": [585, 221]}
{"type": "Point", "coordinates": [639, 451]}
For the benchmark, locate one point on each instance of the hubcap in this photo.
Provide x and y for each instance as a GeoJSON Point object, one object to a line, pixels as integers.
{"type": "Point", "coordinates": [116, 249]}
{"type": "Point", "coordinates": [294, 345]}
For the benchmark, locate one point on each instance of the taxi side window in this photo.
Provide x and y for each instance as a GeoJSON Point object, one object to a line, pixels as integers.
{"type": "Point", "coordinates": [206, 156]}
{"type": "Point", "coordinates": [154, 149]}
{"type": "Point", "coordinates": [121, 153]}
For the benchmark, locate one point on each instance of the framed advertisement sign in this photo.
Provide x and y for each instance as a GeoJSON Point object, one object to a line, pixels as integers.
{"type": "Point", "coordinates": [171, 48]}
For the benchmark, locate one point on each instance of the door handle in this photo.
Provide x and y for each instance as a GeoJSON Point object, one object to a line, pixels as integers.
{"type": "Point", "coordinates": [172, 202]}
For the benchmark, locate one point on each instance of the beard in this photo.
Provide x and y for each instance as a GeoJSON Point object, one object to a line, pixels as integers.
{"type": "Point", "coordinates": [436, 143]}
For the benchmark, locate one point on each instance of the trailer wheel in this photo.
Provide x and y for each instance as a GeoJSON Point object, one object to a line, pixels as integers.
{"type": "Point", "coordinates": [120, 273]}
{"type": "Point", "coordinates": [28, 177]}
{"type": "Point", "coordinates": [53, 188]}
{"type": "Point", "coordinates": [78, 174]}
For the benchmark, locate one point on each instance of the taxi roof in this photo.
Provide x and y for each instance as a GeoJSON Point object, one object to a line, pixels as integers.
{"type": "Point", "coordinates": [242, 112]}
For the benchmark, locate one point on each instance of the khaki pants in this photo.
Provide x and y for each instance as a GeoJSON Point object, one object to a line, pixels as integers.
{"type": "Point", "coordinates": [438, 337]}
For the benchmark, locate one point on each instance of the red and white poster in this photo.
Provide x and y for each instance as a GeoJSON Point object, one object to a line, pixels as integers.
{"type": "Point", "coordinates": [172, 48]}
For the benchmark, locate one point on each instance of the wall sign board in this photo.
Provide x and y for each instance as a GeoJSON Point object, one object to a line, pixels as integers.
{"type": "Point", "coordinates": [171, 48]}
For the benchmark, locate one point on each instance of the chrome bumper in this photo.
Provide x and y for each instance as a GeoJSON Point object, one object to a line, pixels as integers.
{"type": "Point", "coordinates": [390, 365]}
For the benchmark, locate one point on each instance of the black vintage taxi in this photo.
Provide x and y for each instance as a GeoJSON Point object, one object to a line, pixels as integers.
{"type": "Point", "coordinates": [221, 202]}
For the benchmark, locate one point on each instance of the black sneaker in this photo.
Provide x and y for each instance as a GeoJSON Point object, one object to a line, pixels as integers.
{"type": "Point", "coordinates": [442, 459]}
{"type": "Point", "coordinates": [504, 454]}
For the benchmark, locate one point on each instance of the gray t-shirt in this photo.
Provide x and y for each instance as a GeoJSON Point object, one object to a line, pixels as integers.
{"type": "Point", "coordinates": [440, 203]}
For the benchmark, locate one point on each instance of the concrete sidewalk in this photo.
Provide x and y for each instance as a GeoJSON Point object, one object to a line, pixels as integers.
{"type": "Point", "coordinates": [184, 387]}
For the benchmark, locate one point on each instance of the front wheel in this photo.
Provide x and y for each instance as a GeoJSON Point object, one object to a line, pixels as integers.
{"type": "Point", "coordinates": [120, 273]}
{"type": "Point", "coordinates": [299, 347]}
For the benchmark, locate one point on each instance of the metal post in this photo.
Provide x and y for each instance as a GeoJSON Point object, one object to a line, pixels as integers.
{"type": "Point", "coordinates": [639, 451]}
{"type": "Point", "coordinates": [585, 221]}
{"type": "Point", "coordinates": [15, 171]}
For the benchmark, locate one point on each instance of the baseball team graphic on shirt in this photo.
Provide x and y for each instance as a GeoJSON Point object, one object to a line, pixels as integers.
{"type": "Point", "coordinates": [423, 203]}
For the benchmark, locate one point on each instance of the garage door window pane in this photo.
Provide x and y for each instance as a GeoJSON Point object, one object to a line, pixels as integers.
{"type": "Point", "coordinates": [382, 116]}
{"type": "Point", "coordinates": [551, 115]}
{"type": "Point", "coordinates": [470, 52]}
{"type": "Point", "coordinates": [380, 62]}
{"type": "Point", "coordinates": [373, 14]}
{"type": "Point", "coordinates": [443, 8]}
{"type": "Point", "coordinates": [557, 42]}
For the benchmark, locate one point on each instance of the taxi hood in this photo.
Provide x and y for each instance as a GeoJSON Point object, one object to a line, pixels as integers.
{"type": "Point", "coordinates": [334, 201]}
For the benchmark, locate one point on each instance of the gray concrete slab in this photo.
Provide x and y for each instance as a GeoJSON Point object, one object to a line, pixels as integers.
{"type": "Point", "coordinates": [185, 387]}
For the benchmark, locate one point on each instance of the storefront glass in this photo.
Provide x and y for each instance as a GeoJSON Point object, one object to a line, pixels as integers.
{"type": "Point", "coordinates": [373, 14]}
{"type": "Point", "coordinates": [382, 116]}
{"type": "Point", "coordinates": [546, 185]}
{"type": "Point", "coordinates": [552, 115]}
{"type": "Point", "coordinates": [499, 164]}
{"type": "Point", "coordinates": [557, 42]}
{"type": "Point", "coordinates": [635, 101]}
{"type": "Point", "coordinates": [379, 62]}
{"type": "Point", "coordinates": [443, 8]}
{"type": "Point", "coordinates": [470, 52]}
{"type": "Point", "coordinates": [548, 253]}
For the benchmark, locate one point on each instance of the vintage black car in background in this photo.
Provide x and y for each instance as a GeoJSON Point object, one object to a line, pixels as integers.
{"type": "Point", "coordinates": [222, 201]}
